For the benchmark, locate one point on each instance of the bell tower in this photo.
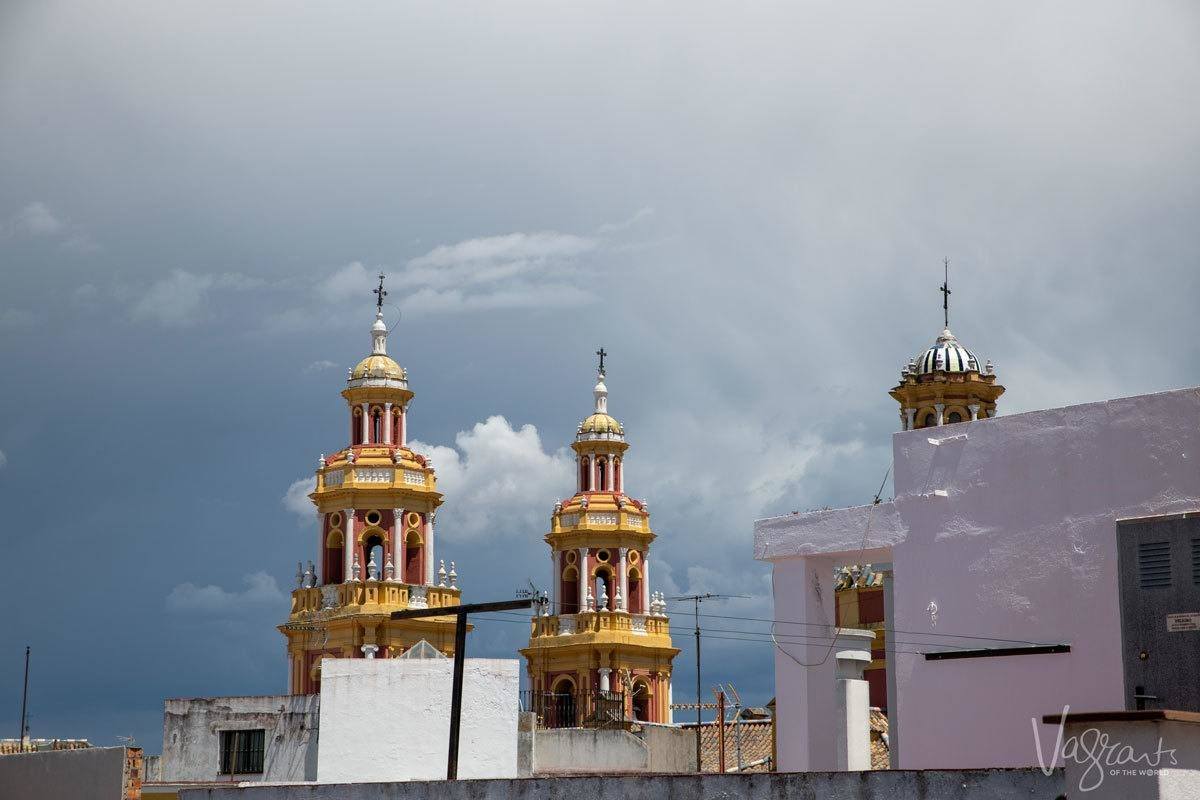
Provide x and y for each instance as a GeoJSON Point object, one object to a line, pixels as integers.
{"type": "Point", "coordinates": [945, 384]}
{"type": "Point", "coordinates": [376, 502]}
{"type": "Point", "coordinates": [605, 636]}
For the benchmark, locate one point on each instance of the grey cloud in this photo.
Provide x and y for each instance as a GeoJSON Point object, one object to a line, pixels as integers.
{"type": "Point", "coordinates": [261, 589]}
{"type": "Point", "coordinates": [808, 166]}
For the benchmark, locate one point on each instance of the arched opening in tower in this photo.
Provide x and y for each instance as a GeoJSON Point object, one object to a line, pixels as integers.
{"type": "Point", "coordinates": [583, 474]}
{"type": "Point", "coordinates": [602, 475]}
{"type": "Point", "coordinates": [568, 590]}
{"type": "Point", "coordinates": [641, 701]}
{"type": "Point", "coordinates": [376, 426]}
{"type": "Point", "coordinates": [374, 549]}
{"type": "Point", "coordinates": [413, 562]}
{"type": "Point", "coordinates": [356, 428]}
{"type": "Point", "coordinates": [334, 566]}
{"type": "Point", "coordinates": [560, 711]}
{"type": "Point", "coordinates": [634, 601]}
{"type": "Point", "coordinates": [604, 590]}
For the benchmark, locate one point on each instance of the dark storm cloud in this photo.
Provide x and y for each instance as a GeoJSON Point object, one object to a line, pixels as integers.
{"type": "Point", "coordinates": [747, 207]}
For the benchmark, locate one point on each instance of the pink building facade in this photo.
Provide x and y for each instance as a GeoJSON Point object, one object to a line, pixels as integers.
{"type": "Point", "coordinates": [1002, 533]}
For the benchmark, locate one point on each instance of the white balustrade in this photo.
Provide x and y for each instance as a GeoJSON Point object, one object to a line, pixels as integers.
{"type": "Point", "coordinates": [373, 474]}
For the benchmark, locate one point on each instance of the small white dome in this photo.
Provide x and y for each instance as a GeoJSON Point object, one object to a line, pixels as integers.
{"type": "Point", "coordinates": [947, 355]}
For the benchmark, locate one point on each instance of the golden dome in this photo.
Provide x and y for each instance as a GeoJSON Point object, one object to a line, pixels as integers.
{"type": "Point", "coordinates": [378, 366]}
{"type": "Point", "coordinates": [601, 423]}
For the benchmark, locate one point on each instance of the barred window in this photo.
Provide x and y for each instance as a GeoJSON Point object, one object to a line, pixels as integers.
{"type": "Point", "coordinates": [242, 752]}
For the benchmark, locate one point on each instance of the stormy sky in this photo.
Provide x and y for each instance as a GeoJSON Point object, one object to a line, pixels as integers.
{"type": "Point", "coordinates": [746, 205]}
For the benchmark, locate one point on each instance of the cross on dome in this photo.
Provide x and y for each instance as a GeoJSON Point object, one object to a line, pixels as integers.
{"type": "Point", "coordinates": [945, 290]}
{"type": "Point", "coordinates": [379, 293]}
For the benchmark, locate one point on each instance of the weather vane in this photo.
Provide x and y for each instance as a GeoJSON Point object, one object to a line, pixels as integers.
{"type": "Point", "coordinates": [379, 293]}
{"type": "Point", "coordinates": [602, 354]}
{"type": "Point", "coordinates": [945, 290]}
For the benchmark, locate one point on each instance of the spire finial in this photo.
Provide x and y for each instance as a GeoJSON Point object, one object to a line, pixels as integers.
{"type": "Point", "coordinates": [945, 290]}
{"type": "Point", "coordinates": [601, 391]}
{"type": "Point", "coordinates": [379, 293]}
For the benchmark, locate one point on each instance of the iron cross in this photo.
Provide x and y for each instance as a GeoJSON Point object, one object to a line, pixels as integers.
{"type": "Point", "coordinates": [380, 293]}
{"type": "Point", "coordinates": [602, 354]}
{"type": "Point", "coordinates": [945, 290]}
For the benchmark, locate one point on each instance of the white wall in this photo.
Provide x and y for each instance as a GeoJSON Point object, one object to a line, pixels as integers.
{"type": "Point", "coordinates": [192, 726]}
{"type": "Point", "coordinates": [88, 774]}
{"type": "Point", "coordinates": [389, 719]}
{"type": "Point", "coordinates": [1021, 546]}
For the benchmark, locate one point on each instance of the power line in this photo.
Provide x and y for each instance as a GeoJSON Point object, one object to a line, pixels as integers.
{"type": "Point", "coordinates": [786, 636]}
{"type": "Point", "coordinates": [758, 637]}
{"type": "Point", "coordinates": [763, 638]}
{"type": "Point", "coordinates": [826, 626]}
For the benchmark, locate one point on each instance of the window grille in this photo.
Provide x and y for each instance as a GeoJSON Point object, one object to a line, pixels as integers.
{"type": "Point", "coordinates": [242, 752]}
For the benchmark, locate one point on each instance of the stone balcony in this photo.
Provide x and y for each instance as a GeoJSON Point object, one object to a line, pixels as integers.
{"type": "Point", "coordinates": [591, 623]}
{"type": "Point", "coordinates": [370, 597]}
{"type": "Point", "coordinates": [375, 476]}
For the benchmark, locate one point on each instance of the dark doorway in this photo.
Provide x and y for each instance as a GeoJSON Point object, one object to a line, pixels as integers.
{"type": "Point", "coordinates": [1160, 612]}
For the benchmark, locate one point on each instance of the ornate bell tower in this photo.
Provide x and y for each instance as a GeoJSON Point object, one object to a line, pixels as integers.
{"type": "Point", "coordinates": [945, 384]}
{"type": "Point", "coordinates": [605, 636]}
{"type": "Point", "coordinates": [375, 505]}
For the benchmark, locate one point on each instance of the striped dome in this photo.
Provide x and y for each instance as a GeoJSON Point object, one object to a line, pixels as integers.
{"type": "Point", "coordinates": [947, 355]}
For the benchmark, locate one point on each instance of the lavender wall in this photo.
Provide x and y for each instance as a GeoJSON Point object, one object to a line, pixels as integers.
{"type": "Point", "coordinates": [1022, 546]}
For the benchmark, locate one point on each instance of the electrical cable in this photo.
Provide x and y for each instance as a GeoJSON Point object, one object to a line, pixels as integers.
{"type": "Point", "coordinates": [862, 548]}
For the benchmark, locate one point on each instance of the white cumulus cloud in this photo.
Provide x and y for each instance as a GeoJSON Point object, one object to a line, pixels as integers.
{"type": "Point", "coordinates": [345, 282]}
{"type": "Point", "coordinates": [515, 270]}
{"type": "Point", "coordinates": [260, 589]}
{"type": "Point", "coordinates": [295, 499]}
{"type": "Point", "coordinates": [498, 479]}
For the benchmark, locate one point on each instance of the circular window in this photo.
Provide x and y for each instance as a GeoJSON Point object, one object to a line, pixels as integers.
{"type": "Point", "coordinates": [572, 556]}
{"type": "Point", "coordinates": [335, 519]}
{"type": "Point", "coordinates": [602, 555]}
{"type": "Point", "coordinates": [633, 556]}
{"type": "Point", "coordinates": [414, 519]}
{"type": "Point", "coordinates": [373, 517]}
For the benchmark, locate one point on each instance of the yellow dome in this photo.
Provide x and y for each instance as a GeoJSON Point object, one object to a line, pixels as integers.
{"type": "Point", "coordinates": [378, 366]}
{"type": "Point", "coordinates": [601, 423]}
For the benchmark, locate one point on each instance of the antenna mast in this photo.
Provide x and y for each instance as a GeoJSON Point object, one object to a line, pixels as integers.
{"type": "Point", "coordinates": [24, 696]}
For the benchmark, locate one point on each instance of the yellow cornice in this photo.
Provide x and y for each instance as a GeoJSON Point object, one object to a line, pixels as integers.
{"type": "Point", "coordinates": [601, 446]}
{"type": "Point", "coordinates": [377, 394]}
{"type": "Point", "coordinates": [575, 539]}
